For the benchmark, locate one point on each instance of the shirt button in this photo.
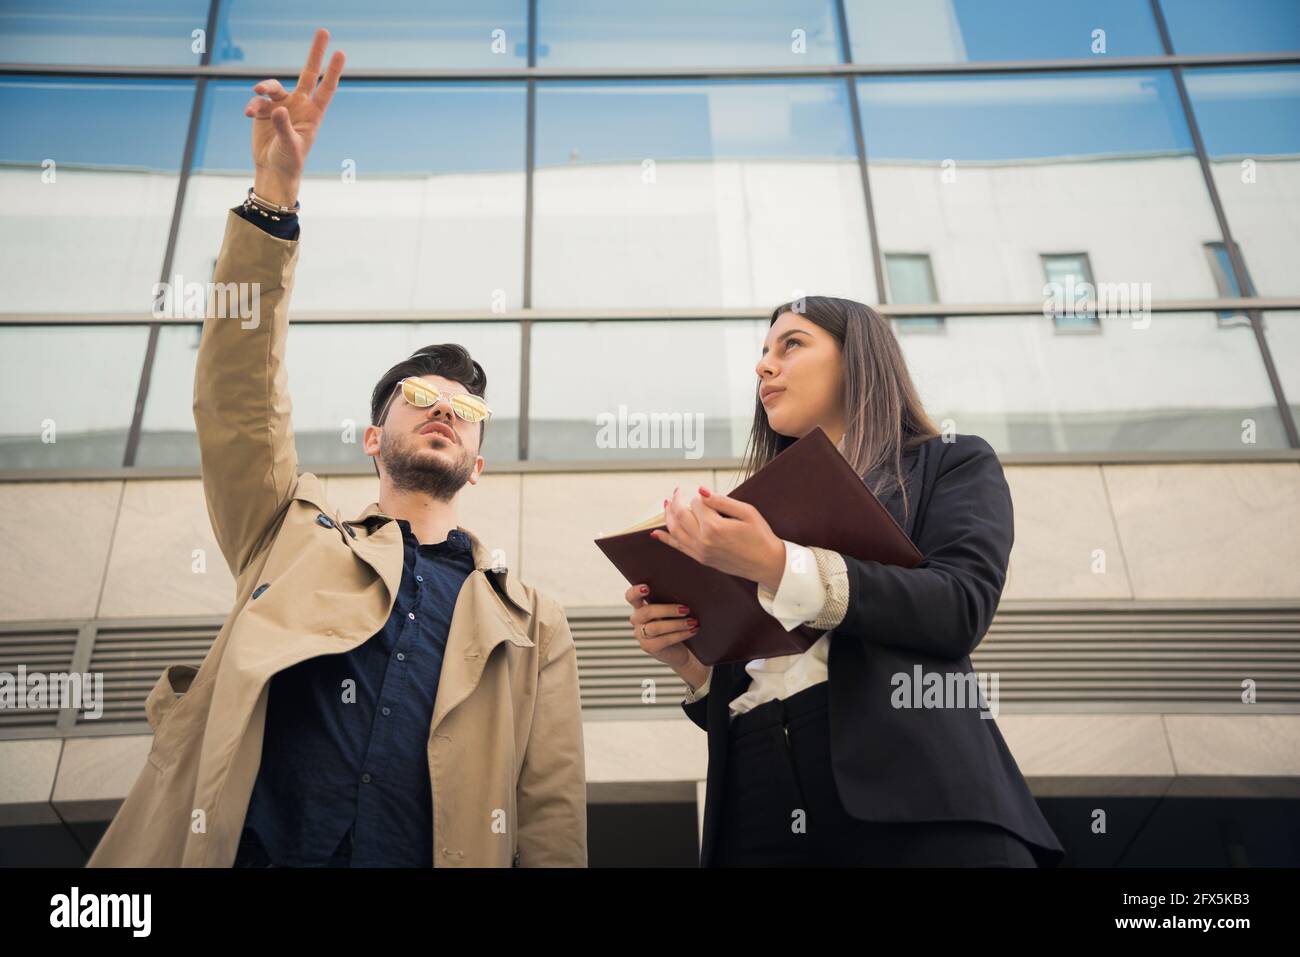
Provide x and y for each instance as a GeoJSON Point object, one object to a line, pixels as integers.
{"type": "Point", "coordinates": [387, 712]}
{"type": "Point", "coordinates": [401, 657]}
{"type": "Point", "coordinates": [365, 779]}
{"type": "Point", "coordinates": [411, 615]}
{"type": "Point", "coordinates": [419, 578]}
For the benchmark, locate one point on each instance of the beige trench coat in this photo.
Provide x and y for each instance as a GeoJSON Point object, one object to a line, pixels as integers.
{"type": "Point", "coordinates": [505, 744]}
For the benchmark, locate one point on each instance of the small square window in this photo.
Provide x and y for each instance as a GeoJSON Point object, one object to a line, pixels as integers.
{"type": "Point", "coordinates": [1071, 271]}
{"type": "Point", "coordinates": [910, 281]}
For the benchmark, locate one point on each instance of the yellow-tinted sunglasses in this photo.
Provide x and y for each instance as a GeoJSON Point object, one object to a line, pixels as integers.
{"type": "Point", "coordinates": [421, 394]}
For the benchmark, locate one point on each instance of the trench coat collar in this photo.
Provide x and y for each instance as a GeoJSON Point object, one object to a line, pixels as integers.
{"type": "Point", "coordinates": [373, 516]}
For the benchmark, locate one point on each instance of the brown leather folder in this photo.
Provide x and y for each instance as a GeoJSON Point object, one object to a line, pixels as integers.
{"type": "Point", "coordinates": [809, 495]}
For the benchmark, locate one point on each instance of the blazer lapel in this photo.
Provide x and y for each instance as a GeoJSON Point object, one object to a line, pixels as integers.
{"type": "Point", "coordinates": [913, 468]}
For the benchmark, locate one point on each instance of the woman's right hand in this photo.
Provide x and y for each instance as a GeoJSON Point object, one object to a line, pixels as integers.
{"type": "Point", "coordinates": [660, 631]}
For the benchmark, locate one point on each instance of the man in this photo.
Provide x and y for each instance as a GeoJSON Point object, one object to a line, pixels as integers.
{"type": "Point", "coordinates": [383, 693]}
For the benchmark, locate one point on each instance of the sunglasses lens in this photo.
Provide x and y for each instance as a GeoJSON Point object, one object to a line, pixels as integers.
{"type": "Point", "coordinates": [468, 407]}
{"type": "Point", "coordinates": [418, 394]}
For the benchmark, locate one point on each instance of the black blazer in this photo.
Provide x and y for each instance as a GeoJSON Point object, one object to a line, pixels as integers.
{"type": "Point", "coordinates": [913, 764]}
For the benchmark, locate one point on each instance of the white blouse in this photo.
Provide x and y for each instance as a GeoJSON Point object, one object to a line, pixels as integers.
{"type": "Point", "coordinates": [814, 590]}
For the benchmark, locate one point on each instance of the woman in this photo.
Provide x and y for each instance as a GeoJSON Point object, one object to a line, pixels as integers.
{"type": "Point", "coordinates": [836, 756]}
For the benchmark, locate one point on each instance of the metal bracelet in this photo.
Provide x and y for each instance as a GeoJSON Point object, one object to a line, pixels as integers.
{"type": "Point", "coordinates": [270, 207]}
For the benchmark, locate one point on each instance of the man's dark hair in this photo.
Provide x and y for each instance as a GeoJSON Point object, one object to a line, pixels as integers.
{"type": "Point", "coordinates": [449, 360]}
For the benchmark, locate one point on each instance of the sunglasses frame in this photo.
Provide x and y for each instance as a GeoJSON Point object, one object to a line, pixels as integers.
{"type": "Point", "coordinates": [438, 395]}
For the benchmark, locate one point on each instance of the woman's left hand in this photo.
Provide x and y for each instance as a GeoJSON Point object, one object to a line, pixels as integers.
{"type": "Point", "coordinates": [726, 534]}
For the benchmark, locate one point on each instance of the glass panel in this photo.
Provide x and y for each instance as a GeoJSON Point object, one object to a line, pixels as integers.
{"type": "Point", "coordinates": [619, 408]}
{"type": "Point", "coordinates": [121, 33]}
{"type": "Point", "coordinates": [687, 194]}
{"type": "Point", "coordinates": [1250, 122]}
{"type": "Point", "coordinates": [1182, 383]}
{"type": "Point", "coordinates": [333, 368]}
{"type": "Point", "coordinates": [1225, 278]}
{"type": "Point", "coordinates": [1282, 330]}
{"type": "Point", "coordinates": [88, 175]}
{"type": "Point", "coordinates": [957, 31]}
{"type": "Point", "coordinates": [1070, 272]}
{"type": "Point", "coordinates": [436, 34]}
{"type": "Point", "coordinates": [413, 196]}
{"type": "Point", "coordinates": [68, 393]}
{"type": "Point", "coordinates": [985, 173]}
{"type": "Point", "coordinates": [669, 33]}
{"type": "Point", "coordinates": [1243, 26]}
{"type": "Point", "coordinates": [911, 281]}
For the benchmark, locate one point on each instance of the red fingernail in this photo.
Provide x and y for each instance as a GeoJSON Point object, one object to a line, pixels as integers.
{"type": "Point", "coordinates": [693, 622]}
{"type": "Point", "coordinates": [683, 610]}
{"type": "Point", "coordinates": [704, 491]}
{"type": "Point", "coordinates": [645, 590]}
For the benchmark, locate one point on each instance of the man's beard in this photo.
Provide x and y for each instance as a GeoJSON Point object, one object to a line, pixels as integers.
{"type": "Point", "coordinates": [430, 474]}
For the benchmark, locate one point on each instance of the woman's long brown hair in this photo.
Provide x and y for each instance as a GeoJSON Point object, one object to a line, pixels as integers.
{"type": "Point", "coordinates": [883, 414]}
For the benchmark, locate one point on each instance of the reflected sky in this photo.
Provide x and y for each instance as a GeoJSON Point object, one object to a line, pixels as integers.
{"type": "Point", "coordinates": [686, 33]}
{"type": "Point", "coordinates": [133, 124]}
{"type": "Point", "coordinates": [435, 34]}
{"type": "Point", "coordinates": [1242, 26]}
{"type": "Point", "coordinates": [957, 31]}
{"type": "Point", "coordinates": [1030, 116]}
{"type": "Point", "coordinates": [579, 122]}
{"type": "Point", "coordinates": [1248, 111]}
{"type": "Point", "coordinates": [121, 33]}
{"type": "Point", "coordinates": [388, 128]}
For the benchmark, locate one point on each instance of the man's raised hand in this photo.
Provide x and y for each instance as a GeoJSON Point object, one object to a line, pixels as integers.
{"type": "Point", "coordinates": [285, 124]}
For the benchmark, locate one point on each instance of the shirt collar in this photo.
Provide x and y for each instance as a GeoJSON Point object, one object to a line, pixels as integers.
{"type": "Point", "coordinates": [484, 558]}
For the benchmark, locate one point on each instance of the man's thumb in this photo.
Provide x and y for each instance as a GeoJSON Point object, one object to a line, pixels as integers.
{"type": "Point", "coordinates": [280, 120]}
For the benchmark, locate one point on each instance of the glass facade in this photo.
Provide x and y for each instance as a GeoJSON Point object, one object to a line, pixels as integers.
{"type": "Point", "coordinates": [601, 200]}
{"type": "Point", "coordinates": [688, 195]}
{"type": "Point", "coordinates": [960, 31]}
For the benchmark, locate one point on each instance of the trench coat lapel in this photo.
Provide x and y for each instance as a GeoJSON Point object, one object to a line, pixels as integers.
{"type": "Point", "coordinates": [491, 608]}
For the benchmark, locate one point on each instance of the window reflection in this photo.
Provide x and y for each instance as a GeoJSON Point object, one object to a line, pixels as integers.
{"type": "Point", "coordinates": [1250, 122]}
{"type": "Point", "coordinates": [722, 33]}
{"type": "Point", "coordinates": [1225, 278]}
{"type": "Point", "coordinates": [985, 174]}
{"type": "Point", "coordinates": [1181, 383]}
{"type": "Point", "coordinates": [1073, 274]}
{"type": "Point", "coordinates": [911, 282]}
{"type": "Point", "coordinates": [88, 176]}
{"type": "Point", "coordinates": [413, 197]}
{"type": "Point", "coordinates": [643, 390]}
{"type": "Point", "coordinates": [69, 392]}
{"type": "Point", "coordinates": [686, 194]}
{"type": "Point", "coordinates": [1243, 26]}
{"type": "Point", "coordinates": [436, 34]}
{"type": "Point", "coordinates": [957, 31]}
{"type": "Point", "coordinates": [141, 32]}
{"type": "Point", "coordinates": [1282, 330]}
{"type": "Point", "coordinates": [332, 370]}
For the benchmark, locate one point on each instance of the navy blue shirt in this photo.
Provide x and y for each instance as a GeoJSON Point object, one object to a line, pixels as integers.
{"type": "Point", "coordinates": [286, 227]}
{"type": "Point", "coordinates": [345, 754]}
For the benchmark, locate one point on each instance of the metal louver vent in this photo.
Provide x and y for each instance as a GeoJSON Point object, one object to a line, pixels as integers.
{"type": "Point", "coordinates": [1048, 656]}
{"type": "Point", "coordinates": [1184, 657]}
{"type": "Point", "coordinates": [42, 648]}
{"type": "Point", "coordinates": [613, 671]}
{"type": "Point", "coordinates": [132, 657]}
{"type": "Point", "coordinates": [1051, 657]}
